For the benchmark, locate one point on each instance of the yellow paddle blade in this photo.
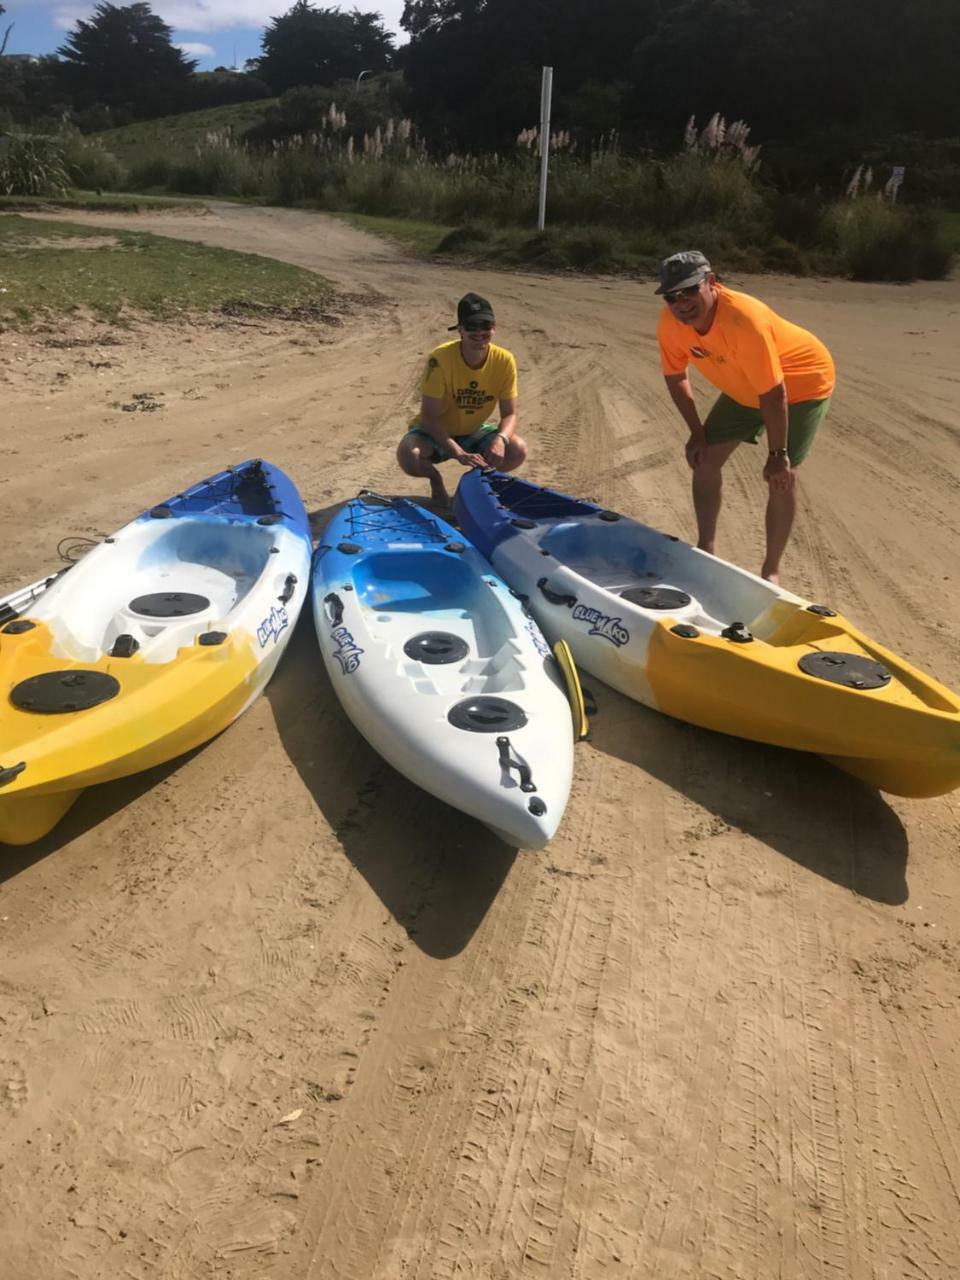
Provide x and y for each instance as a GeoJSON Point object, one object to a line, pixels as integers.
{"type": "Point", "coordinates": [581, 725]}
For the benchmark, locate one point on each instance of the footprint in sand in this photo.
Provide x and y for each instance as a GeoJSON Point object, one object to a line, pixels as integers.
{"type": "Point", "coordinates": [13, 1087]}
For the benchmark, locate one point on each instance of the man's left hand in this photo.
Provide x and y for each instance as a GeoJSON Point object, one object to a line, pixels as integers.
{"type": "Point", "coordinates": [779, 473]}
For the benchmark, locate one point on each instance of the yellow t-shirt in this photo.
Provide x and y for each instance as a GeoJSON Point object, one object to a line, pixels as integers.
{"type": "Point", "coordinates": [468, 396]}
{"type": "Point", "coordinates": [747, 351]}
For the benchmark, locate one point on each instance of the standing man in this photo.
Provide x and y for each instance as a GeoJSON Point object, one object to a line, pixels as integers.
{"type": "Point", "coordinates": [772, 376]}
{"type": "Point", "coordinates": [463, 381]}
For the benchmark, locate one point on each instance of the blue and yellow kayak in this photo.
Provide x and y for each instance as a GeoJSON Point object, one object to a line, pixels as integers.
{"type": "Point", "coordinates": [150, 645]}
{"type": "Point", "coordinates": [700, 639]}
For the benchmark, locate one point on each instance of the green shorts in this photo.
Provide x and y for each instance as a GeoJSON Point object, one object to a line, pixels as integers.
{"type": "Point", "coordinates": [473, 443]}
{"type": "Point", "coordinates": [729, 420]}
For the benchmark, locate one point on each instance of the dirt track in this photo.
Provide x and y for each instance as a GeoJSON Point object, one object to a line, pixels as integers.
{"type": "Point", "coordinates": [712, 1033]}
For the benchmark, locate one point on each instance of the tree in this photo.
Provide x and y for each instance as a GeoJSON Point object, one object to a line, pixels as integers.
{"type": "Point", "coordinates": [6, 34]}
{"type": "Point", "coordinates": [462, 52]}
{"type": "Point", "coordinates": [310, 46]}
{"type": "Point", "coordinates": [123, 57]}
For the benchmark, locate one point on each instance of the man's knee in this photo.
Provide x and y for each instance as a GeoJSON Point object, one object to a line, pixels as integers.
{"type": "Point", "coordinates": [410, 456]}
{"type": "Point", "coordinates": [514, 454]}
{"type": "Point", "coordinates": [712, 459]}
{"type": "Point", "coordinates": [707, 474]}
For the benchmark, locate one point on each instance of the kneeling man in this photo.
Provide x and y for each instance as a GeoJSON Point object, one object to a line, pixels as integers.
{"type": "Point", "coordinates": [463, 382]}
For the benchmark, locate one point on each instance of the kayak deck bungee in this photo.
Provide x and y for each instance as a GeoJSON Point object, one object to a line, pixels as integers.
{"type": "Point", "coordinates": [150, 645]}
{"type": "Point", "coordinates": [17, 602]}
{"type": "Point", "coordinates": [700, 639]}
{"type": "Point", "coordinates": [441, 668]}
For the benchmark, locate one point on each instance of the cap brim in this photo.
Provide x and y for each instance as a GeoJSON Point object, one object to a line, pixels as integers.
{"type": "Point", "coordinates": [684, 284]}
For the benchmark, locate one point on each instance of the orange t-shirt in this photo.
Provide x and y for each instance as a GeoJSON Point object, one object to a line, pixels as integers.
{"type": "Point", "coordinates": [747, 350]}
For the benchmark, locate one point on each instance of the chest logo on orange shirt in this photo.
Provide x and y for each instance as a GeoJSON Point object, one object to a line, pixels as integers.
{"type": "Point", "coordinates": [701, 353]}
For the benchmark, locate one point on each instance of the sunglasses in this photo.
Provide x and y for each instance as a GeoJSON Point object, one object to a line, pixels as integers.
{"type": "Point", "coordinates": [478, 326]}
{"type": "Point", "coordinates": [691, 291]}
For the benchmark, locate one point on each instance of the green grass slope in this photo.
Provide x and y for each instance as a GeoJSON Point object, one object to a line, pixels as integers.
{"type": "Point", "coordinates": [180, 133]}
{"type": "Point", "coordinates": [49, 269]}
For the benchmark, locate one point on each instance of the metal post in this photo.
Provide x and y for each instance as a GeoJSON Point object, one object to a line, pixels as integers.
{"type": "Point", "coordinates": [546, 92]}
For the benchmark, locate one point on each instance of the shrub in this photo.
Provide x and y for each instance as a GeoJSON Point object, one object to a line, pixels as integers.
{"type": "Point", "coordinates": [218, 167]}
{"type": "Point", "coordinates": [32, 165]}
{"type": "Point", "coordinates": [151, 172]}
{"type": "Point", "coordinates": [694, 188]}
{"type": "Point", "coordinates": [881, 241]}
{"type": "Point", "coordinates": [463, 239]}
{"type": "Point", "coordinates": [297, 174]}
{"type": "Point", "coordinates": [91, 167]}
{"type": "Point", "coordinates": [797, 217]}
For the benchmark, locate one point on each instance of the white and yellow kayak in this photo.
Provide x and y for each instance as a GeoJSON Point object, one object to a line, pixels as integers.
{"type": "Point", "coordinates": [709, 643]}
{"type": "Point", "coordinates": [150, 645]}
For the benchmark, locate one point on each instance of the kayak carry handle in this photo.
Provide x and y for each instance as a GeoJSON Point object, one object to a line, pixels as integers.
{"type": "Point", "coordinates": [576, 694]}
{"type": "Point", "coordinates": [555, 597]}
{"type": "Point", "coordinates": [334, 608]}
{"type": "Point", "coordinates": [14, 771]}
{"type": "Point", "coordinates": [508, 762]}
{"type": "Point", "coordinates": [288, 588]}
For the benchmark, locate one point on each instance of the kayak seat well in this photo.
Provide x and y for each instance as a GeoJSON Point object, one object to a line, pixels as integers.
{"type": "Point", "coordinates": [433, 589]}
{"type": "Point", "coordinates": [633, 561]}
{"type": "Point", "coordinates": [423, 590]}
{"type": "Point", "coordinates": [210, 565]}
{"type": "Point", "coordinates": [608, 554]}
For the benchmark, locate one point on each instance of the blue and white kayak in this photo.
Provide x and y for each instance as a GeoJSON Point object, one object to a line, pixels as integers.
{"type": "Point", "coordinates": [441, 668]}
{"type": "Point", "coordinates": [150, 645]}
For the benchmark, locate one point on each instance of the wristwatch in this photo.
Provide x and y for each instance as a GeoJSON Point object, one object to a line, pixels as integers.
{"type": "Point", "coordinates": [779, 453]}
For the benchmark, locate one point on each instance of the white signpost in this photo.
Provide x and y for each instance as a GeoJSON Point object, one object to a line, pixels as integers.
{"type": "Point", "coordinates": [546, 93]}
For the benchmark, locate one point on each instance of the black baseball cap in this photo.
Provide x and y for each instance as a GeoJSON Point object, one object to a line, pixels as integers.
{"type": "Point", "coordinates": [472, 307]}
{"type": "Point", "coordinates": [681, 270]}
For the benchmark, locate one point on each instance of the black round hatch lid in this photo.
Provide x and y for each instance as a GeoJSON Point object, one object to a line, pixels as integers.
{"type": "Point", "coordinates": [849, 669]}
{"type": "Point", "coordinates": [485, 714]}
{"type": "Point", "coordinates": [57, 692]}
{"type": "Point", "coordinates": [436, 647]}
{"type": "Point", "coordinates": [169, 604]}
{"type": "Point", "coordinates": [656, 597]}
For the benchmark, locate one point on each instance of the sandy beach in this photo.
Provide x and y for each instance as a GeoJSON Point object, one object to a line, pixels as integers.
{"type": "Point", "coordinates": [268, 1013]}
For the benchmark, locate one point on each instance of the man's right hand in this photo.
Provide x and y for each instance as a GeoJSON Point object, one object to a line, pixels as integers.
{"type": "Point", "coordinates": [695, 447]}
{"type": "Point", "coordinates": [470, 459]}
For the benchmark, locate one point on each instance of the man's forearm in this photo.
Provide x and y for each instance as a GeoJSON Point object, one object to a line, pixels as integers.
{"type": "Point", "coordinates": [507, 425]}
{"type": "Point", "coordinates": [435, 431]}
{"type": "Point", "coordinates": [773, 407]}
{"type": "Point", "coordinates": [681, 393]}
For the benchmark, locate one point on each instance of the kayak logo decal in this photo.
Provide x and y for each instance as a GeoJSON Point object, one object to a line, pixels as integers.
{"type": "Point", "coordinates": [347, 652]}
{"type": "Point", "coordinates": [536, 635]}
{"type": "Point", "coordinates": [273, 626]}
{"type": "Point", "coordinates": [601, 624]}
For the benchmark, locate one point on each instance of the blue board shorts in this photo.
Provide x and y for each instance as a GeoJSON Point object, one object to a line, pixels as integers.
{"type": "Point", "coordinates": [473, 443]}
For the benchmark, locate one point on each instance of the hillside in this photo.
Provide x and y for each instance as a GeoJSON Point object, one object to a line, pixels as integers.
{"type": "Point", "coordinates": [181, 132]}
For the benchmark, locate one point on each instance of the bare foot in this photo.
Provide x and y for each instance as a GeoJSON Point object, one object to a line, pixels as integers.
{"type": "Point", "coordinates": [438, 491]}
{"type": "Point", "coordinates": [771, 577]}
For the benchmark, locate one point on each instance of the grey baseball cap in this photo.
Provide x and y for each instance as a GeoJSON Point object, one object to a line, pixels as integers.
{"type": "Point", "coordinates": [681, 270]}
